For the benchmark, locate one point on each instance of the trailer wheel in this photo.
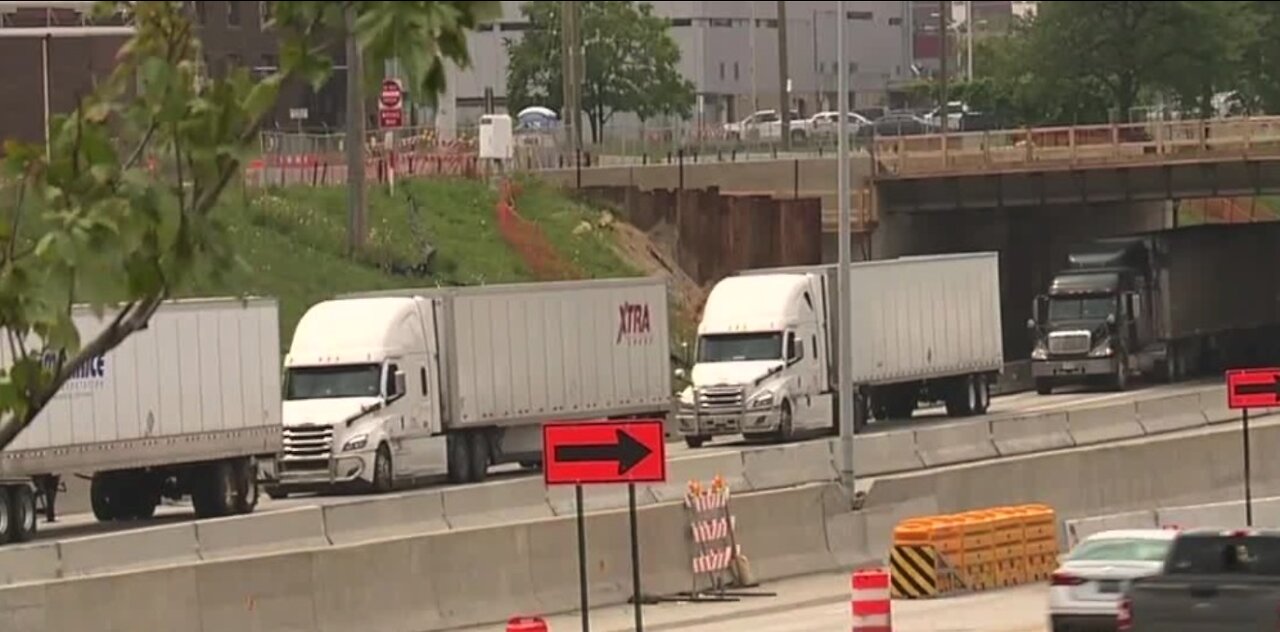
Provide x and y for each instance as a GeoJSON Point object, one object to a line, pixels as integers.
{"type": "Point", "coordinates": [478, 459]}
{"type": "Point", "coordinates": [246, 486]}
{"type": "Point", "coordinates": [104, 496]}
{"type": "Point", "coordinates": [961, 397]}
{"type": "Point", "coordinates": [1044, 386]}
{"type": "Point", "coordinates": [694, 442]}
{"type": "Point", "coordinates": [459, 458]}
{"type": "Point", "coordinates": [22, 514]}
{"type": "Point", "coordinates": [383, 470]}
{"type": "Point", "coordinates": [983, 390]}
{"type": "Point", "coordinates": [6, 520]}
{"type": "Point", "coordinates": [215, 490]}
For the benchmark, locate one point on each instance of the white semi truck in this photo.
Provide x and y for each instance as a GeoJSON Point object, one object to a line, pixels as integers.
{"type": "Point", "coordinates": [395, 386]}
{"type": "Point", "coordinates": [188, 406]}
{"type": "Point", "coordinates": [924, 329]}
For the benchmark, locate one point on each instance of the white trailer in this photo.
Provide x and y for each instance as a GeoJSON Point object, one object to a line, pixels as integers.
{"type": "Point", "coordinates": [925, 329]}
{"type": "Point", "coordinates": [392, 386]}
{"type": "Point", "coordinates": [189, 405]}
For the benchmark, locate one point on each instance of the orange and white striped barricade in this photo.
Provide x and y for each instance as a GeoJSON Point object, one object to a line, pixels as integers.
{"type": "Point", "coordinates": [871, 603]}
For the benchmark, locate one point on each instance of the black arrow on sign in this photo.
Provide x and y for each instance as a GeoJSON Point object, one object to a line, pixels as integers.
{"type": "Point", "coordinates": [1260, 388]}
{"type": "Point", "coordinates": [627, 452]}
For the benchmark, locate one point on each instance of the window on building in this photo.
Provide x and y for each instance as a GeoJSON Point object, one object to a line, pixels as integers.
{"type": "Point", "coordinates": [895, 21]}
{"type": "Point", "coordinates": [507, 27]}
{"type": "Point", "coordinates": [721, 22]}
{"type": "Point", "coordinates": [768, 23]}
{"type": "Point", "coordinates": [264, 14]}
{"type": "Point", "coordinates": [722, 71]}
{"type": "Point", "coordinates": [233, 13]}
{"type": "Point", "coordinates": [679, 22]}
{"type": "Point", "coordinates": [860, 15]}
{"type": "Point", "coordinates": [200, 12]}
{"type": "Point", "coordinates": [736, 76]}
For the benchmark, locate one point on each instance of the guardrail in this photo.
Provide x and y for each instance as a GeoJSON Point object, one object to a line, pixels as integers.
{"type": "Point", "coordinates": [1130, 143]}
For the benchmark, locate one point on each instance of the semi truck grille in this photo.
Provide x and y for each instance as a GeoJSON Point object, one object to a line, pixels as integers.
{"type": "Point", "coordinates": [308, 442]}
{"type": "Point", "coordinates": [1069, 342]}
{"type": "Point", "coordinates": [720, 398]}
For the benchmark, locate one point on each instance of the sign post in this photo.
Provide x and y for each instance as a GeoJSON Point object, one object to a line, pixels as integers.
{"type": "Point", "coordinates": [1251, 388]}
{"type": "Point", "coordinates": [602, 453]}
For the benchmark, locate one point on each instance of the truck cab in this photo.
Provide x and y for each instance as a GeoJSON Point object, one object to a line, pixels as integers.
{"type": "Point", "coordinates": [762, 360]}
{"type": "Point", "coordinates": [361, 396]}
{"type": "Point", "coordinates": [1092, 323]}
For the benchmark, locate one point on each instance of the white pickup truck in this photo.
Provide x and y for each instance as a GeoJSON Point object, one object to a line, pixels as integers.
{"type": "Point", "coordinates": [767, 125]}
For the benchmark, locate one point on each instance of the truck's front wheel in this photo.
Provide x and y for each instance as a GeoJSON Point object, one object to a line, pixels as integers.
{"type": "Point", "coordinates": [383, 474]}
{"type": "Point", "coordinates": [1120, 381]}
{"type": "Point", "coordinates": [786, 425]}
{"type": "Point", "coordinates": [1044, 386]}
{"type": "Point", "coordinates": [694, 442]}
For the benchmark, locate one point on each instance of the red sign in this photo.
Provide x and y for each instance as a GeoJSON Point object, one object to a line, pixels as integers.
{"type": "Point", "coordinates": [1253, 388]}
{"type": "Point", "coordinates": [391, 104]}
{"type": "Point", "coordinates": [596, 452]}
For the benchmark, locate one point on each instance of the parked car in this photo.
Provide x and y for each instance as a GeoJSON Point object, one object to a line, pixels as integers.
{"type": "Point", "coordinates": [766, 125]}
{"type": "Point", "coordinates": [826, 124]}
{"type": "Point", "coordinates": [894, 124]}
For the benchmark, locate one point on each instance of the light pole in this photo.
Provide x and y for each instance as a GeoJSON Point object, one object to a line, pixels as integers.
{"type": "Point", "coordinates": [48, 33]}
{"type": "Point", "coordinates": [968, 31]}
{"type": "Point", "coordinates": [844, 364]}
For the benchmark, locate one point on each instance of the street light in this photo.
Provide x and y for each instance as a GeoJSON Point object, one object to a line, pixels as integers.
{"type": "Point", "coordinates": [47, 33]}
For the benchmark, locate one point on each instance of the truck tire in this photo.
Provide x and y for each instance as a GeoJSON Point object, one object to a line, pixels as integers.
{"type": "Point", "coordinates": [459, 457]}
{"type": "Point", "coordinates": [961, 397]}
{"type": "Point", "coordinates": [6, 519]}
{"type": "Point", "coordinates": [22, 514]}
{"type": "Point", "coordinates": [477, 457]}
{"type": "Point", "coordinates": [694, 442]}
{"type": "Point", "coordinates": [786, 424]}
{"type": "Point", "coordinates": [215, 490]}
{"type": "Point", "coordinates": [1120, 381]}
{"type": "Point", "coordinates": [983, 389]}
{"type": "Point", "coordinates": [246, 486]}
{"type": "Point", "coordinates": [104, 496]}
{"type": "Point", "coordinates": [384, 477]}
{"type": "Point", "coordinates": [1044, 386]}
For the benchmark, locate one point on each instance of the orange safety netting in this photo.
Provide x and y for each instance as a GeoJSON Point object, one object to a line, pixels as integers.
{"type": "Point", "coordinates": [527, 239]}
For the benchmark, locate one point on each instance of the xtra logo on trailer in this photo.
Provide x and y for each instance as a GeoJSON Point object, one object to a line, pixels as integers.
{"type": "Point", "coordinates": [634, 325]}
{"type": "Point", "coordinates": [89, 375]}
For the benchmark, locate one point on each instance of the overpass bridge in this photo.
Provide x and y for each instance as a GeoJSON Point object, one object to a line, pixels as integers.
{"type": "Point", "coordinates": [1082, 165]}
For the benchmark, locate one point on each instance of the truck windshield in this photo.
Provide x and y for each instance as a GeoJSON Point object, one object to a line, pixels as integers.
{"type": "Point", "coordinates": [1222, 554]}
{"type": "Point", "coordinates": [740, 347]}
{"type": "Point", "coordinates": [1088, 308]}
{"type": "Point", "coordinates": [331, 382]}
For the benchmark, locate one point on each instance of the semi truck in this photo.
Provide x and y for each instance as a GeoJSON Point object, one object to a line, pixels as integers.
{"type": "Point", "coordinates": [925, 329]}
{"type": "Point", "coordinates": [1163, 304]}
{"type": "Point", "coordinates": [190, 405]}
{"type": "Point", "coordinates": [390, 387]}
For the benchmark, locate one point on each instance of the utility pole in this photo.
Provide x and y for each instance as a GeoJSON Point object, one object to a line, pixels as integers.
{"type": "Point", "coordinates": [751, 43]}
{"type": "Point", "coordinates": [567, 70]}
{"type": "Point", "coordinates": [844, 367]}
{"type": "Point", "coordinates": [784, 101]}
{"type": "Point", "coordinates": [944, 52]}
{"type": "Point", "coordinates": [969, 23]}
{"type": "Point", "coordinates": [356, 224]}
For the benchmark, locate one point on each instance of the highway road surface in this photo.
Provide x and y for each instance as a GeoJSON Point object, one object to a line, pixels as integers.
{"type": "Point", "coordinates": [75, 520]}
{"type": "Point", "coordinates": [820, 603]}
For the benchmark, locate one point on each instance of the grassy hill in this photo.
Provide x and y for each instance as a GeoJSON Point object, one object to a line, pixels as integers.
{"type": "Point", "coordinates": [292, 241]}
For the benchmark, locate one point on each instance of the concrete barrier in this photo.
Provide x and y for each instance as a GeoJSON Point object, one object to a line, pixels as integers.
{"type": "Point", "coordinates": [22, 608]}
{"type": "Point", "coordinates": [789, 465]}
{"type": "Point", "coordinates": [1167, 414]}
{"type": "Point", "coordinates": [273, 592]}
{"type": "Point", "coordinates": [886, 453]}
{"type": "Point", "coordinates": [783, 533]}
{"type": "Point", "coordinates": [412, 513]}
{"type": "Point", "coordinates": [1037, 433]}
{"type": "Point", "coordinates": [726, 465]}
{"type": "Point", "coordinates": [1226, 515]}
{"type": "Point", "coordinates": [1103, 424]}
{"type": "Point", "coordinates": [124, 550]}
{"type": "Point", "coordinates": [29, 563]}
{"type": "Point", "coordinates": [495, 502]}
{"type": "Point", "coordinates": [955, 443]}
{"type": "Point", "coordinates": [270, 532]}
{"type": "Point", "coordinates": [481, 575]}
{"type": "Point", "coordinates": [153, 599]}
{"type": "Point", "coordinates": [1081, 528]}
{"type": "Point", "coordinates": [1213, 402]}
{"type": "Point", "coordinates": [597, 498]}
{"type": "Point", "coordinates": [377, 587]}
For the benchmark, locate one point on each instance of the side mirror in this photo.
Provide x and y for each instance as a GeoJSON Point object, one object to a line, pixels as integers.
{"type": "Point", "coordinates": [679, 374]}
{"type": "Point", "coordinates": [1031, 324]}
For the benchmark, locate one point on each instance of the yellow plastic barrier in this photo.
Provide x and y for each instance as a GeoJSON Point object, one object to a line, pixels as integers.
{"type": "Point", "coordinates": [976, 550]}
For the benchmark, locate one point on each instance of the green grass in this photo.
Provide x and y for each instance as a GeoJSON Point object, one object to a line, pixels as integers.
{"type": "Point", "coordinates": [292, 241]}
